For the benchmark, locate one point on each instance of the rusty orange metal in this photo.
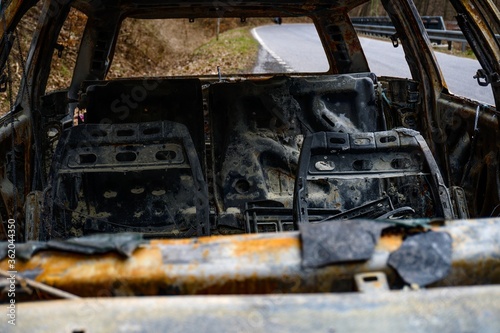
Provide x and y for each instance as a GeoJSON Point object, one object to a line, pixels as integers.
{"type": "Point", "coordinates": [244, 264]}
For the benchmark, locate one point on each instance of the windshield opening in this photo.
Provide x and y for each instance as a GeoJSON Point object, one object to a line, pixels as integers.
{"type": "Point", "coordinates": [178, 47]}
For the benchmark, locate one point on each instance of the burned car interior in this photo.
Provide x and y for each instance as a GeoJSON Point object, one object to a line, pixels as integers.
{"type": "Point", "coordinates": [178, 158]}
{"type": "Point", "coordinates": [114, 176]}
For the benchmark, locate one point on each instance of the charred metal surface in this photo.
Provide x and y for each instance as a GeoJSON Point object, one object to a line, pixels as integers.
{"type": "Point", "coordinates": [360, 169]}
{"type": "Point", "coordinates": [474, 152]}
{"type": "Point", "coordinates": [33, 210]}
{"type": "Point", "coordinates": [400, 101]}
{"type": "Point", "coordinates": [114, 178]}
{"type": "Point", "coordinates": [259, 128]}
{"type": "Point", "coordinates": [15, 169]}
{"type": "Point", "coordinates": [244, 264]}
{"type": "Point", "coordinates": [346, 55]}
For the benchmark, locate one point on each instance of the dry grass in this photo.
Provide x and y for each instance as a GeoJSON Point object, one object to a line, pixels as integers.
{"type": "Point", "coordinates": [235, 52]}
{"type": "Point", "coordinates": [177, 47]}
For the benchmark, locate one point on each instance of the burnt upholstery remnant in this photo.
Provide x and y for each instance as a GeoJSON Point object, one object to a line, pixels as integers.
{"type": "Point", "coordinates": [123, 244]}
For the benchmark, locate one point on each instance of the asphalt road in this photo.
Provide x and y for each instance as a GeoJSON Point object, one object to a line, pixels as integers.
{"type": "Point", "coordinates": [297, 48]}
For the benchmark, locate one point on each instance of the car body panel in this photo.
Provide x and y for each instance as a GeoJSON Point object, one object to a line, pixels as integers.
{"type": "Point", "coordinates": [249, 264]}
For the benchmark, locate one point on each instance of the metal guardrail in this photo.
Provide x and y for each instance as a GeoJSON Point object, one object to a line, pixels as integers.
{"type": "Point", "coordinates": [430, 22]}
{"type": "Point", "coordinates": [435, 35]}
{"type": "Point", "coordinates": [447, 35]}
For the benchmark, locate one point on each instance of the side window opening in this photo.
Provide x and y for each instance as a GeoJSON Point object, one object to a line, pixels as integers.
{"type": "Point", "coordinates": [383, 58]}
{"type": "Point", "coordinates": [66, 51]}
{"type": "Point", "coordinates": [12, 73]}
{"type": "Point", "coordinates": [456, 59]}
{"type": "Point", "coordinates": [459, 64]}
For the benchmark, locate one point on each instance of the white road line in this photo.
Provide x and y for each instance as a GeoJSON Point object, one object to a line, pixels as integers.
{"type": "Point", "coordinates": [288, 68]}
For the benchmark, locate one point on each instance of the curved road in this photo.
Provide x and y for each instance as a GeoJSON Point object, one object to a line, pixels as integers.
{"type": "Point", "coordinates": [297, 48]}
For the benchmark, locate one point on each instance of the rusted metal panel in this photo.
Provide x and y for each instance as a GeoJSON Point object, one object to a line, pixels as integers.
{"type": "Point", "coordinates": [443, 310]}
{"type": "Point", "coordinates": [250, 264]}
{"type": "Point", "coordinates": [32, 210]}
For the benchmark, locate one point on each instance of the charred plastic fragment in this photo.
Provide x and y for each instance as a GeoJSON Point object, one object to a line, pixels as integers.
{"type": "Point", "coordinates": [338, 242]}
{"type": "Point", "coordinates": [424, 258]}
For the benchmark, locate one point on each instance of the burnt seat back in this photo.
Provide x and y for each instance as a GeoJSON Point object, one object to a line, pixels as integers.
{"type": "Point", "coordinates": [369, 175]}
{"type": "Point", "coordinates": [344, 103]}
{"type": "Point", "coordinates": [125, 101]}
{"type": "Point", "coordinates": [140, 177]}
{"type": "Point", "coordinates": [258, 128]}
